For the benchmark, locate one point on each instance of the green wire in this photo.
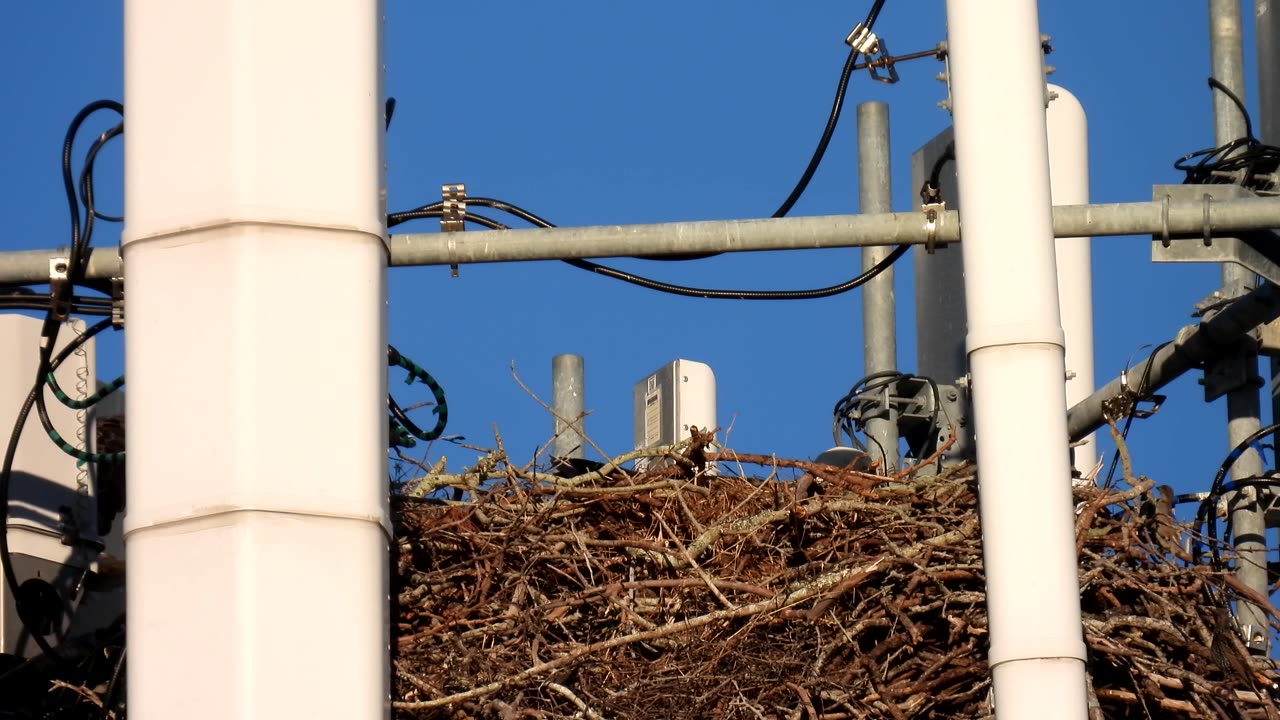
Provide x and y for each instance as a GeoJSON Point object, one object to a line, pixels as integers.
{"type": "Point", "coordinates": [81, 455]}
{"type": "Point", "coordinates": [416, 372]}
{"type": "Point", "coordinates": [401, 436]}
{"type": "Point", "coordinates": [88, 402]}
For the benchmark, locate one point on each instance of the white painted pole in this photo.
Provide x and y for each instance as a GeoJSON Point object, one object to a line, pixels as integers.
{"type": "Point", "coordinates": [255, 248]}
{"type": "Point", "coordinates": [1069, 181]}
{"type": "Point", "coordinates": [1015, 346]}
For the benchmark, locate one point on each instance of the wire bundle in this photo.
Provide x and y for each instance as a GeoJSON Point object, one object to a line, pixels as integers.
{"type": "Point", "coordinates": [63, 296]}
{"type": "Point", "coordinates": [1245, 161]}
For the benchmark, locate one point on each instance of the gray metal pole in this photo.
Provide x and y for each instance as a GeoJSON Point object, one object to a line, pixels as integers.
{"type": "Point", "coordinates": [1267, 23]}
{"type": "Point", "coordinates": [568, 403]}
{"type": "Point", "coordinates": [27, 267]}
{"type": "Point", "coordinates": [1190, 348]}
{"type": "Point", "coordinates": [1243, 404]}
{"type": "Point", "coordinates": [879, 329]}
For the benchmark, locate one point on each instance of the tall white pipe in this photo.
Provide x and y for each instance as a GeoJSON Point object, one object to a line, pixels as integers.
{"type": "Point", "coordinates": [255, 247]}
{"type": "Point", "coordinates": [1015, 346]}
{"type": "Point", "coordinates": [1069, 181]}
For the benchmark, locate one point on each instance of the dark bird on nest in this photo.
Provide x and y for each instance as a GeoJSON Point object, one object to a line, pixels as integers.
{"type": "Point", "coordinates": [110, 439]}
{"type": "Point", "coordinates": [1232, 657]}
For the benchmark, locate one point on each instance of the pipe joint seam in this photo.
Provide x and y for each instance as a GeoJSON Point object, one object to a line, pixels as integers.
{"type": "Point", "coordinates": [1014, 334]}
{"type": "Point", "coordinates": [1060, 650]}
{"type": "Point", "coordinates": [174, 518]}
{"type": "Point", "coordinates": [129, 238]}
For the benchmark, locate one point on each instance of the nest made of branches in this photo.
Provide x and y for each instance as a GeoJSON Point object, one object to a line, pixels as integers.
{"type": "Point", "coordinates": [697, 589]}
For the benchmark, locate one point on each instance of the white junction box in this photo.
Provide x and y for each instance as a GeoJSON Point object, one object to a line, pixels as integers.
{"type": "Point", "coordinates": [675, 397]}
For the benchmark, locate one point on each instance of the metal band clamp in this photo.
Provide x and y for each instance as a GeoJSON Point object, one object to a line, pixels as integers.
{"type": "Point", "coordinates": [454, 217]}
{"type": "Point", "coordinates": [59, 288]}
{"type": "Point", "coordinates": [932, 211]}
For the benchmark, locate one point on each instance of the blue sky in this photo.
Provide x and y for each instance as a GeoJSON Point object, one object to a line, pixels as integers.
{"type": "Point", "coordinates": [602, 113]}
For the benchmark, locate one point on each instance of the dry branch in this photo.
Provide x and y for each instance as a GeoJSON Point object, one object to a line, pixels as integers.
{"type": "Point", "coordinates": [676, 593]}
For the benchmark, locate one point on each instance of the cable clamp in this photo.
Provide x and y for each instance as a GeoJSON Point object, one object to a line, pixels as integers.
{"type": "Point", "coordinates": [863, 40]}
{"type": "Point", "coordinates": [117, 303]}
{"type": "Point", "coordinates": [882, 59]}
{"type": "Point", "coordinates": [59, 288]}
{"type": "Point", "coordinates": [929, 193]}
{"type": "Point", "coordinates": [1128, 401]}
{"type": "Point", "coordinates": [932, 211]}
{"type": "Point", "coordinates": [454, 217]}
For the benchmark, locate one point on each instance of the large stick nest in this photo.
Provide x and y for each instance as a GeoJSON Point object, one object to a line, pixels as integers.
{"type": "Point", "coordinates": [684, 592]}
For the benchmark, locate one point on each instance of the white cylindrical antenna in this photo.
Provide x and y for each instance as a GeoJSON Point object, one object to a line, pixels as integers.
{"type": "Point", "coordinates": [1015, 346]}
{"type": "Point", "coordinates": [255, 247]}
{"type": "Point", "coordinates": [1069, 178]}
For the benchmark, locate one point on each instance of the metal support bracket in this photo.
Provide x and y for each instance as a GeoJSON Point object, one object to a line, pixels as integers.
{"type": "Point", "coordinates": [1231, 371]}
{"type": "Point", "coordinates": [881, 59]}
{"type": "Point", "coordinates": [945, 75]}
{"type": "Point", "coordinates": [928, 415]}
{"type": "Point", "coordinates": [1047, 69]}
{"type": "Point", "coordinates": [60, 288]}
{"type": "Point", "coordinates": [454, 217]}
{"type": "Point", "coordinates": [1258, 251]}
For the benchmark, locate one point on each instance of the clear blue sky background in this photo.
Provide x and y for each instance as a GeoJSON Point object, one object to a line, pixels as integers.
{"type": "Point", "coordinates": [600, 113]}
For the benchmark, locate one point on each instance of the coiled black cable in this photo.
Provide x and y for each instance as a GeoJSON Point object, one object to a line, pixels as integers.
{"type": "Point", "coordinates": [1245, 160]}
{"type": "Point", "coordinates": [1206, 514]}
{"type": "Point", "coordinates": [86, 177]}
{"type": "Point", "coordinates": [80, 241]}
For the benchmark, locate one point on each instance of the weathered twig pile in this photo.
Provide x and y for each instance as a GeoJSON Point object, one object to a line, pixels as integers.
{"type": "Point", "coordinates": [675, 593]}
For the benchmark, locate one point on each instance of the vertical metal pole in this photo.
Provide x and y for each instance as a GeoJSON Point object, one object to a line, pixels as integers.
{"type": "Point", "coordinates": [879, 333]}
{"type": "Point", "coordinates": [1243, 404]}
{"type": "Point", "coordinates": [568, 402]}
{"type": "Point", "coordinates": [1267, 25]}
{"type": "Point", "coordinates": [1016, 356]}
